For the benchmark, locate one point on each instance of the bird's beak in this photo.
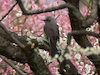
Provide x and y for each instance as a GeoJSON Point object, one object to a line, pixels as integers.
{"type": "Point", "coordinates": [43, 20]}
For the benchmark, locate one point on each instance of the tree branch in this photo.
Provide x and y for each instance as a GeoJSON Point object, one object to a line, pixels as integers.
{"type": "Point", "coordinates": [29, 55]}
{"type": "Point", "coordinates": [11, 36]}
{"type": "Point", "coordinates": [81, 33]}
{"type": "Point", "coordinates": [8, 11]}
{"type": "Point", "coordinates": [12, 65]}
{"type": "Point", "coordinates": [93, 14]}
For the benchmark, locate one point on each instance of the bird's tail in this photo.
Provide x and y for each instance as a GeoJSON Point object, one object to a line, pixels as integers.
{"type": "Point", "coordinates": [53, 50]}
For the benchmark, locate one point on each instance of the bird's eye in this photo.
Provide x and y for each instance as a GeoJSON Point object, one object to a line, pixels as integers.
{"type": "Point", "coordinates": [48, 19]}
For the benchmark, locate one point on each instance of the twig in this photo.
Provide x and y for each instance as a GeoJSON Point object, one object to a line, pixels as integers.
{"type": "Point", "coordinates": [57, 17]}
{"type": "Point", "coordinates": [13, 66]}
{"type": "Point", "coordinates": [8, 11]}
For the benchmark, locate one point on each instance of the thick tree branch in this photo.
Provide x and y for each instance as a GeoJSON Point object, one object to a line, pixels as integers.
{"type": "Point", "coordinates": [69, 67]}
{"type": "Point", "coordinates": [81, 32]}
{"type": "Point", "coordinates": [11, 36]}
{"type": "Point", "coordinates": [29, 55]}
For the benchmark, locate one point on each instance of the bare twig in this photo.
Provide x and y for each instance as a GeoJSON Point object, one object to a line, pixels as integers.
{"type": "Point", "coordinates": [8, 11]}
{"type": "Point", "coordinates": [13, 66]}
{"type": "Point", "coordinates": [57, 17]}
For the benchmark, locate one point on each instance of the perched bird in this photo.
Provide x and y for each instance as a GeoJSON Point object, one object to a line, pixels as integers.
{"type": "Point", "coordinates": [52, 33]}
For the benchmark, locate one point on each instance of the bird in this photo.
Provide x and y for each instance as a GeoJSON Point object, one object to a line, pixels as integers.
{"type": "Point", "coordinates": [51, 31]}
